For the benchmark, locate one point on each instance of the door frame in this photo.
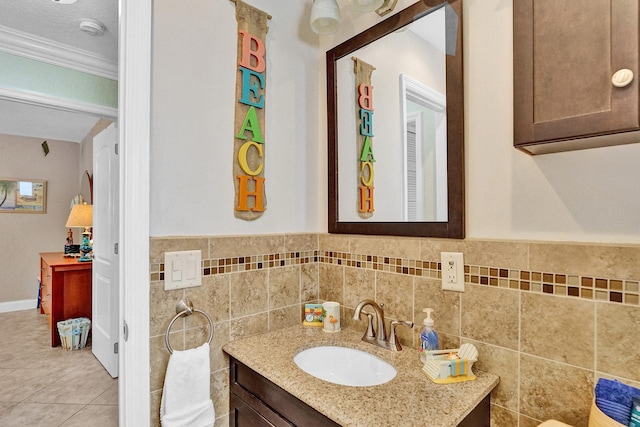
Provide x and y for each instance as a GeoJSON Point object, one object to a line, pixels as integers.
{"type": "Point", "coordinates": [134, 116]}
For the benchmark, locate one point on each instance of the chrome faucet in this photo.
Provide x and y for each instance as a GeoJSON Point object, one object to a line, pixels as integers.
{"type": "Point", "coordinates": [379, 336]}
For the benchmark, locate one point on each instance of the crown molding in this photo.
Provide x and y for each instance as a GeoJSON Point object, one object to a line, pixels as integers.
{"type": "Point", "coordinates": [58, 103]}
{"type": "Point", "coordinates": [16, 42]}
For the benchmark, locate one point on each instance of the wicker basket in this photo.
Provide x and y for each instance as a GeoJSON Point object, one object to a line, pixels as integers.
{"type": "Point", "coordinates": [597, 418]}
{"type": "Point", "coordinates": [74, 332]}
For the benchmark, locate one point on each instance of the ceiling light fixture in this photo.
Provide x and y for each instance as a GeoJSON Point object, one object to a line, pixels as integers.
{"type": "Point", "coordinates": [64, 1]}
{"type": "Point", "coordinates": [387, 7]}
{"type": "Point", "coordinates": [366, 5]}
{"type": "Point", "coordinates": [92, 27]}
{"type": "Point", "coordinates": [325, 14]}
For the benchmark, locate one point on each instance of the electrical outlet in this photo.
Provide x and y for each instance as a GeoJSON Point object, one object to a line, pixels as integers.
{"type": "Point", "coordinates": [452, 264]}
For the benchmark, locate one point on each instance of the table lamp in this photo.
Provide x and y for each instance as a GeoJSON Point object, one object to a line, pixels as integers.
{"type": "Point", "coordinates": [82, 216]}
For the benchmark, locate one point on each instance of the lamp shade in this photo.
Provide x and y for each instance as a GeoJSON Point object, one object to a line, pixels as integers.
{"type": "Point", "coordinates": [366, 5]}
{"type": "Point", "coordinates": [81, 216]}
{"type": "Point", "coordinates": [325, 16]}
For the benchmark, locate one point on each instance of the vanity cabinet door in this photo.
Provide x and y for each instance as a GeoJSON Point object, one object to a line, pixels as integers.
{"type": "Point", "coordinates": [242, 414]}
{"type": "Point", "coordinates": [565, 56]}
{"type": "Point", "coordinates": [253, 397]}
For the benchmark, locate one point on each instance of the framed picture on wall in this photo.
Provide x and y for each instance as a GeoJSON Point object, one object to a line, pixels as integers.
{"type": "Point", "coordinates": [23, 195]}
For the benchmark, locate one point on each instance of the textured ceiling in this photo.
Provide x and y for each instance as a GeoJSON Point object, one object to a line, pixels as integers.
{"type": "Point", "coordinates": [58, 23]}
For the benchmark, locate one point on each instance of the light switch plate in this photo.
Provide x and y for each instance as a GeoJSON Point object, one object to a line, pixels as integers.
{"type": "Point", "coordinates": [182, 269]}
{"type": "Point", "coordinates": [452, 264]}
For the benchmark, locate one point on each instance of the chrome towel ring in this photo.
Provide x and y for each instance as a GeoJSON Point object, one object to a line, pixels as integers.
{"type": "Point", "coordinates": [185, 308]}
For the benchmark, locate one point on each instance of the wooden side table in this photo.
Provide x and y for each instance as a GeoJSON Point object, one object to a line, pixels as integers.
{"type": "Point", "coordinates": [65, 290]}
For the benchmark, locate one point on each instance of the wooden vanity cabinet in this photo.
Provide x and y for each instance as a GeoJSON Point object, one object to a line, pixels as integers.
{"type": "Point", "coordinates": [257, 402]}
{"type": "Point", "coordinates": [565, 55]}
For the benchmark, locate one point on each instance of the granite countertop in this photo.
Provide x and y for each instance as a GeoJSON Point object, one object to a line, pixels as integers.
{"type": "Point", "coordinates": [407, 399]}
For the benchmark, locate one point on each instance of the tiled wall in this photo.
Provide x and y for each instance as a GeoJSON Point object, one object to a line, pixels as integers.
{"type": "Point", "coordinates": [250, 285]}
{"type": "Point", "coordinates": [548, 318]}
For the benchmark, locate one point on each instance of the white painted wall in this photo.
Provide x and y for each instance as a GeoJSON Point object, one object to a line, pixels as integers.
{"type": "Point", "coordinates": [24, 236]}
{"type": "Point", "coordinates": [193, 102]}
{"type": "Point", "coordinates": [586, 196]}
{"type": "Point", "coordinates": [590, 195]}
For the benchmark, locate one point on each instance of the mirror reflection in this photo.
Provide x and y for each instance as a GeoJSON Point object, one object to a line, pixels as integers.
{"type": "Point", "coordinates": [395, 110]}
{"type": "Point", "coordinates": [409, 140]}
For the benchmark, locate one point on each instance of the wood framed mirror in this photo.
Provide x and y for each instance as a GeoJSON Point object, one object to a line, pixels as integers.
{"type": "Point", "coordinates": [405, 83]}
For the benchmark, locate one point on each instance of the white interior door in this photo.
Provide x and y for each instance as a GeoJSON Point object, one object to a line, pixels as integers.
{"type": "Point", "coordinates": [105, 293]}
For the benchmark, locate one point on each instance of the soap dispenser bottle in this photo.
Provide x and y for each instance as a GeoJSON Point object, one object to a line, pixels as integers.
{"type": "Point", "coordinates": [428, 336]}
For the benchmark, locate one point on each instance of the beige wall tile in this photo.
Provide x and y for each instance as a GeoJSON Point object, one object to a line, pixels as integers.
{"type": "Point", "coordinates": [618, 351]}
{"type": "Point", "coordinates": [219, 359]}
{"type": "Point", "coordinates": [504, 363]}
{"type": "Point", "coordinates": [512, 254]}
{"type": "Point", "coordinates": [222, 421]}
{"type": "Point", "coordinates": [621, 262]}
{"type": "Point", "coordinates": [501, 417]}
{"type": "Point", "coordinates": [552, 390]}
{"type": "Point", "coordinates": [331, 283]}
{"type": "Point", "coordinates": [395, 291]}
{"type": "Point", "coordinates": [445, 340]}
{"type": "Point", "coordinates": [154, 407]}
{"type": "Point", "coordinates": [390, 246]}
{"type": "Point", "coordinates": [558, 328]}
{"type": "Point", "coordinates": [162, 308]}
{"type": "Point", "coordinates": [528, 422]}
{"type": "Point", "coordinates": [247, 326]}
{"type": "Point", "coordinates": [309, 282]}
{"type": "Point", "coordinates": [301, 242]}
{"type": "Point", "coordinates": [284, 286]}
{"type": "Point", "coordinates": [219, 391]}
{"type": "Point", "coordinates": [446, 306]}
{"type": "Point", "coordinates": [159, 245]}
{"type": "Point", "coordinates": [490, 315]}
{"type": "Point", "coordinates": [333, 242]}
{"type": "Point", "coordinates": [234, 246]}
{"type": "Point", "coordinates": [212, 298]}
{"type": "Point", "coordinates": [285, 316]}
{"type": "Point", "coordinates": [158, 360]}
{"type": "Point", "coordinates": [359, 284]}
{"type": "Point", "coordinates": [249, 293]}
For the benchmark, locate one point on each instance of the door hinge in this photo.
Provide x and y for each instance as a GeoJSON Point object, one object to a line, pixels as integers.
{"type": "Point", "coordinates": [115, 248]}
{"type": "Point", "coordinates": [116, 149]}
{"type": "Point", "coordinates": [115, 348]}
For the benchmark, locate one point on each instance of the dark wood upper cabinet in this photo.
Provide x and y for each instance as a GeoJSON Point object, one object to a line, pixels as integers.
{"type": "Point", "coordinates": [566, 54]}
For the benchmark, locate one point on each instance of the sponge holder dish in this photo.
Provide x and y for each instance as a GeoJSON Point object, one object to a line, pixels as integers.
{"type": "Point", "coordinates": [441, 369]}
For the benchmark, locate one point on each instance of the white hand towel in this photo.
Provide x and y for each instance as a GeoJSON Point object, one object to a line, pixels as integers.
{"type": "Point", "coordinates": [186, 401]}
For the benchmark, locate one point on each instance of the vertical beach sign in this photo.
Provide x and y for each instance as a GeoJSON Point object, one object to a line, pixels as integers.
{"type": "Point", "coordinates": [249, 142]}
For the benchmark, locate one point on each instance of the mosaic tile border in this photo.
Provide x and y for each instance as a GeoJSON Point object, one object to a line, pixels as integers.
{"type": "Point", "coordinates": [247, 263]}
{"type": "Point", "coordinates": [586, 287]}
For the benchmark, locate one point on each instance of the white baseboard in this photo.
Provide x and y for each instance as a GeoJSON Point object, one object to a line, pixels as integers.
{"type": "Point", "coordinates": [25, 304]}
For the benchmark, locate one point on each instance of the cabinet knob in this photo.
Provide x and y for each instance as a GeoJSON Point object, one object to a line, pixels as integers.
{"type": "Point", "coordinates": [622, 77]}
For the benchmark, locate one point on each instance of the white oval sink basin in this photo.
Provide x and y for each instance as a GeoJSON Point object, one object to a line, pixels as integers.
{"type": "Point", "coordinates": [344, 366]}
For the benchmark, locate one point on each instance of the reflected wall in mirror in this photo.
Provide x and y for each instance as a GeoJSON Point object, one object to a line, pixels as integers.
{"type": "Point", "coordinates": [417, 125]}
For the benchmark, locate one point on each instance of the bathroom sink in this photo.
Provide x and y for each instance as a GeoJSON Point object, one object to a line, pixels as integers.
{"type": "Point", "coordinates": [344, 366]}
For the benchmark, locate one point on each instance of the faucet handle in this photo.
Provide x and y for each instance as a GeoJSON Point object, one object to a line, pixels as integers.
{"type": "Point", "coordinates": [394, 343]}
{"type": "Point", "coordinates": [370, 332]}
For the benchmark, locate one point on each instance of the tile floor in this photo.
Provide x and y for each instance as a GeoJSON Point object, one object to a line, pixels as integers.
{"type": "Point", "coordinates": [44, 386]}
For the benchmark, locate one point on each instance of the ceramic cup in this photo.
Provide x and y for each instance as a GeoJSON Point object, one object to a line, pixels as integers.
{"type": "Point", "coordinates": [331, 320]}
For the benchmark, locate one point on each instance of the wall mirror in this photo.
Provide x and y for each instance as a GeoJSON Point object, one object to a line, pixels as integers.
{"type": "Point", "coordinates": [395, 130]}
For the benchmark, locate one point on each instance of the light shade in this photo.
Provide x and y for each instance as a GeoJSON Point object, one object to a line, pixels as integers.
{"type": "Point", "coordinates": [325, 16]}
{"type": "Point", "coordinates": [366, 5]}
{"type": "Point", "coordinates": [81, 216]}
